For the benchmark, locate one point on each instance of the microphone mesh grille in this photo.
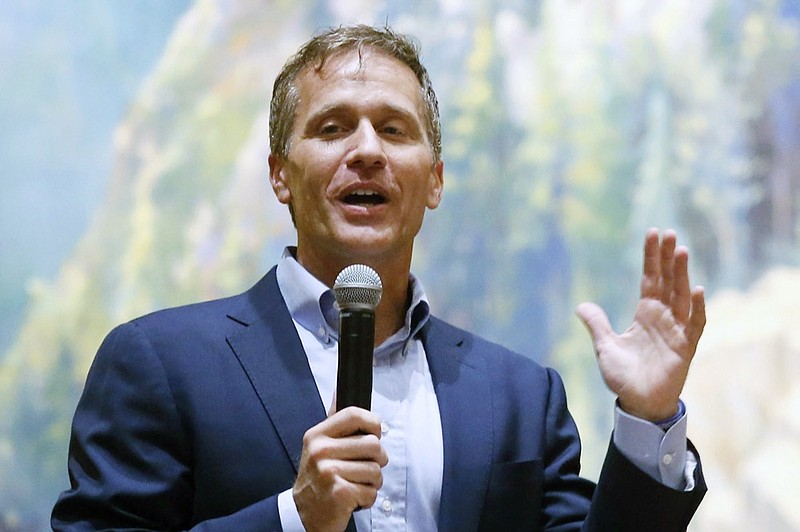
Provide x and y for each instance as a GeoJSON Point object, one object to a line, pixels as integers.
{"type": "Point", "coordinates": [358, 285]}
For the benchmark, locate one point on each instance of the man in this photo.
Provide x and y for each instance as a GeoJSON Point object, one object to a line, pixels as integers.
{"type": "Point", "coordinates": [219, 416]}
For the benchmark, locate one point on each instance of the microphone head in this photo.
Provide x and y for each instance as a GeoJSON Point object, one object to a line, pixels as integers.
{"type": "Point", "coordinates": [358, 286]}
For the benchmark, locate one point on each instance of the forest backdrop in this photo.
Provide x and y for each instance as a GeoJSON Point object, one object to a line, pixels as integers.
{"type": "Point", "coordinates": [133, 160]}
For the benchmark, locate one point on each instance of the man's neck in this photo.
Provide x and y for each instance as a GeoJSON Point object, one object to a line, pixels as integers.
{"type": "Point", "coordinates": [391, 311]}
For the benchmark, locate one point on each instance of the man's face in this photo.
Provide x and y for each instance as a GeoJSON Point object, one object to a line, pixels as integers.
{"type": "Point", "coordinates": [359, 173]}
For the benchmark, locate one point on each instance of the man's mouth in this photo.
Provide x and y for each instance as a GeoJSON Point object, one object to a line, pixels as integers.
{"type": "Point", "coordinates": [364, 198]}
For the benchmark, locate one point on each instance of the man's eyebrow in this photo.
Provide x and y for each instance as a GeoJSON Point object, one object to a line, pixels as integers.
{"type": "Point", "coordinates": [337, 108]}
{"type": "Point", "coordinates": [330, 109]}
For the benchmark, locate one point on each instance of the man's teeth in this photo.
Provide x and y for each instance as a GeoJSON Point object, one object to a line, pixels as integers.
{"type": "Point", "coordinates": [364, 197]}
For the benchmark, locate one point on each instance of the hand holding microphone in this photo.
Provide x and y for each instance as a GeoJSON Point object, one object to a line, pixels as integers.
{"type": "Point", "coordinates": [337, 473]}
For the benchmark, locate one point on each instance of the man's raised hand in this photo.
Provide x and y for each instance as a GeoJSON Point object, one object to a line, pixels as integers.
{"type": "Point", "coordinates": [646, 366]}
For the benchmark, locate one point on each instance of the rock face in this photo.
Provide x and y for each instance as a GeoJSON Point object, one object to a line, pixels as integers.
{"type": "Point", "coordinates": [743, 395]}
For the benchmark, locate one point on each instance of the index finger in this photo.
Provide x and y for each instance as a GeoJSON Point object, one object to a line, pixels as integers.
{"type": "Point", "coordinates": [697, 319]}
{"type": "Point", "coordinates": [351, 420]}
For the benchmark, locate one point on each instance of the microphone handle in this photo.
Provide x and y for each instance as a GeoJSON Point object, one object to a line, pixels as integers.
{"type": "Point", "coordinates": [356, 346]}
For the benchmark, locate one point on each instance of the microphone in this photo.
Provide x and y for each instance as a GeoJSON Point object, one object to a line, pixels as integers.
{"type": "Point", "coordinates": [358, 291]}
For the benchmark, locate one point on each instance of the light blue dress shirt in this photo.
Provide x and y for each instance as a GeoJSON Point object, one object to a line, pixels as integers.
{"type": "Point", "coordinates": [404, 399]}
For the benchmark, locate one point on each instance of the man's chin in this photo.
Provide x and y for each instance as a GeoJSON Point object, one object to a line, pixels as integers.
{"type": "Point", "coordinates": [369, 244]}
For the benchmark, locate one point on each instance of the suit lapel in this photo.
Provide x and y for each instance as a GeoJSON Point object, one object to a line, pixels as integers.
{"type": "Point", "coordinates": [272, 355]}
{"type": "Point", "coordinates": [463, 393]}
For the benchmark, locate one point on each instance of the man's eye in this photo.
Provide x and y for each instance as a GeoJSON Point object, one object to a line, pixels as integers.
{"type": "Point", "coordinates": [393, 131]}
{"type": "Point", "coordinates": [330, 129]}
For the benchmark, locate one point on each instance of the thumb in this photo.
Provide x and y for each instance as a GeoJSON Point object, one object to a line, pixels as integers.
{"type": "Point", "coordinates": [595, 320]}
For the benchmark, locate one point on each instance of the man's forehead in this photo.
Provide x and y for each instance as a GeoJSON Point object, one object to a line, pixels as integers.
{"type": "Point", "coordinates": [365, 69]}
{"type": "Point", "coordinates": [354, 62]}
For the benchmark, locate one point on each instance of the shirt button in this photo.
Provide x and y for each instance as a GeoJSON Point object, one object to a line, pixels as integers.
{"type": "Point", "coordinates": [387, 506]}
{"type": "Point", "coordinates": [667, 460]}
{"type": "Point", "coordinates": [321, 331]}
{"type": "Point", "coordinates": [384, 427]}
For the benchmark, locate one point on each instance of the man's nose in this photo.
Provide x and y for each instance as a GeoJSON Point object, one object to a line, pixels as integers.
{"type": "Point", "coordinates": [367, 149]}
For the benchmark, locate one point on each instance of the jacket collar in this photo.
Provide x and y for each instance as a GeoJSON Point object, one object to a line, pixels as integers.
{"type": "Point", "coordinates": [272, 356]}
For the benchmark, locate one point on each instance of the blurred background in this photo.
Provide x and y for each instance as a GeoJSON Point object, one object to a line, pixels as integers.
{"type": "Point", "coordinates": [133, 167]}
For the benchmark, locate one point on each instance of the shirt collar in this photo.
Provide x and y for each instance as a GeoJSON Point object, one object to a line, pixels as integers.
{"type": "Point", "coordinates": [313, 305]}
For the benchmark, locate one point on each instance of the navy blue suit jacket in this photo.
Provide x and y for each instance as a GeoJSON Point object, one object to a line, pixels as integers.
{"type": "Point", "coordinates": [194, 418]}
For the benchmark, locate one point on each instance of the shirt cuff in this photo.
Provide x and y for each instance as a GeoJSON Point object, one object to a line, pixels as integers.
{"type": "Point", "coordinates": [287, 510]}
{"type": "Point", "coordinates": [661, 454]}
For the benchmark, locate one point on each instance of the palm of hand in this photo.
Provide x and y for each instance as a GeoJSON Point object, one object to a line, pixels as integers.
{"type": "Point", "coordinates": [648, 363]}
{"type": "Point", "coordinates": [646, 366]}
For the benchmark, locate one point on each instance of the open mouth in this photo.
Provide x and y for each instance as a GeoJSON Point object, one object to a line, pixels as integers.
{"type": "Point", "coordinates": [365, 198]}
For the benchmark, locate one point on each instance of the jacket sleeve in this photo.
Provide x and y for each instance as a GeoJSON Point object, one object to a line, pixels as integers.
{"type": "Point", "coordinates": [628, 499]}
{"type": "Point", "coordinates": [625, 499]}
{"type": "Point", "coordinates": [130, 456]}
{"type": "Point", "coordinates": [566, 495]}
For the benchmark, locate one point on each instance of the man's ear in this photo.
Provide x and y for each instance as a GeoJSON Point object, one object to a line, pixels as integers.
{"type": "Point", "coordinates": [278, 179]}
{"type": "Point", "coordinates": [436, 184]}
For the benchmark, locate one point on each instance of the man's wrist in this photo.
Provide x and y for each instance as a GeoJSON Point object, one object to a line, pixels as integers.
{"type": "Point", "coordinates": [666, 424]}
{"type": "Point", "coordinates": [651, 414]}
{"type": "Point", "coordinates": [287, 510]}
